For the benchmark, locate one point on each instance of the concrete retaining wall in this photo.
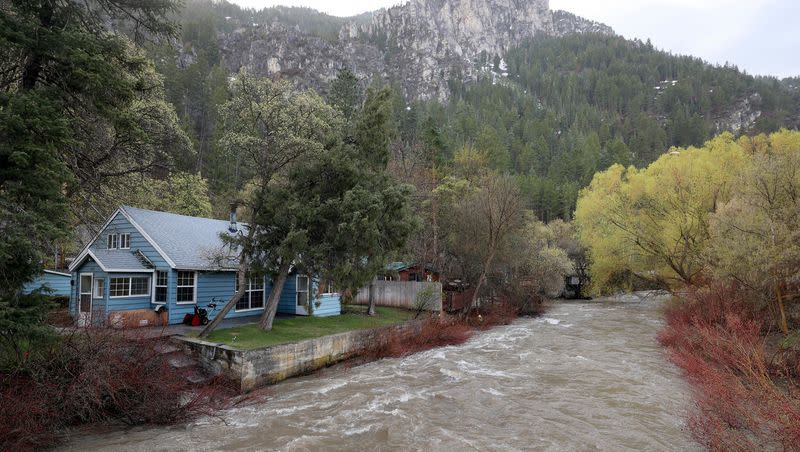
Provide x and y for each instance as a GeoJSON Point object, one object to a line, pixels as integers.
{"type": "Point", "coordinates": [259, 367]}
{"type": "Point", "coordinates": [400, 294]}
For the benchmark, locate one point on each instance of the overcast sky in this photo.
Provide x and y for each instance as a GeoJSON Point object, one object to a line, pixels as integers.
{"type": "Point", "coordinates": [759, 36]}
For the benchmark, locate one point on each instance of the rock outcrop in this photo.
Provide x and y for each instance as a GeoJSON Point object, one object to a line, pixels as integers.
{"type": "Point", "coordinates": [420, 45]}
{"type": "Point", "coordinates": [565, 23]}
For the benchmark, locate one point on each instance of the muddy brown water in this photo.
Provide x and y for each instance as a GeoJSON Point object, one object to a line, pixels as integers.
{"type": "Point", "coordinates": [587, 376]}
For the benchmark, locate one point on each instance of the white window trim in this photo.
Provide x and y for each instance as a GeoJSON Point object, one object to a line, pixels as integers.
{"type": "Point", "coordinates": [127, 242]}
{"type": "Point", "coordinates": [177, 285]}
{"type": "Point", "coordinates": [249, 299]}
{"type": "Point", "coordinates": [328, 286]}
{"type": "Point", "coordinates": [155, 285]}
{"type": "Point", "coordinates": [81, 293]}
{"type": "Point", "coordinates": [130, 286]}
{"type": "Point", "coordinates": [307, 291]}
{"type": "Point", "coordinates": [94, 288]}
{"type": "Point", "coordinates": [115, 241]}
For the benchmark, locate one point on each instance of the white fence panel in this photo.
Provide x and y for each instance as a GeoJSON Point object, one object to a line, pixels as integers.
{"type": "Point", "coordinates": [400, 294]}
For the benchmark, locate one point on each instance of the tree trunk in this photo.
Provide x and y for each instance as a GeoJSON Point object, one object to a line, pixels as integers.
{"type": "Point", "coordinates": [274, 297]}
{"type": "Point", "coordinates": [34, 62]}
{"type": "Point", "coordinates": [371, 304]}
{"type": "Point", "coordinates": [468, 308]}
{"type": "Point", "coordinates": [241, 276]}
{"type": "Point", "coordinates": [781, 309]}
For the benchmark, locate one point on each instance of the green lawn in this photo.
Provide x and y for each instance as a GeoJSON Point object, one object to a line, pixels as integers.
{"type": "Point", "coordinates": [300, 328]}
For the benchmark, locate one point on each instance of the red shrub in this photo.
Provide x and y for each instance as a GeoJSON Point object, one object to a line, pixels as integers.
{"type": "Point", "coordinates": [447, 330]}
{"type": "Point", "coordinates": [743, 400]}
{"type": "Point", "coordinates": [433, 332]}
{"type": "Point", "coordinates": [498, 313]}
{"type": "Point", "coordinates": [99, 376]}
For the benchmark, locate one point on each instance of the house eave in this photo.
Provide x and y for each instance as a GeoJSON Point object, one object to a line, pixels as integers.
{"type": "Point", "coordinates": [88, 253]}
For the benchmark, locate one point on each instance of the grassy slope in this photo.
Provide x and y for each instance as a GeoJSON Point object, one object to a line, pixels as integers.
{"type": "Point", "coordinates": [300, 328]}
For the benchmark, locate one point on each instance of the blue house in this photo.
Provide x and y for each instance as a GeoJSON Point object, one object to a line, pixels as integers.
{"type": "Point", "coordinates": [142, 259]}
{"type": "Point", "coordinates": [57, 284]}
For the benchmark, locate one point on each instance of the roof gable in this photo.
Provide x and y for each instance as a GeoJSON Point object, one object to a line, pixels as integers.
{"type": "Point", "coordinates": [191, 243]}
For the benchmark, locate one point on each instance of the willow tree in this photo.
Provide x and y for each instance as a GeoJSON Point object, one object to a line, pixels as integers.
{"type": "Point", "coordinates": [755, 235]}
{"type": "Point", "coordinates": [654, 223]}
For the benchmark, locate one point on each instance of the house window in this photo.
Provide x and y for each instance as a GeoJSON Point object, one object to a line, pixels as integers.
{"type": "Point", "coordinates": [124, 241]}
{"type": "Point", "coordinates": [140, 286]}
{"type": "Point", "coordinates": [186, 286]}
{"type": "Point", "coordinates": [136, 286]}
{"type": "Point", "coordinates": [112, 241]}
{"type": "Point", "coordinates": [302, 290]}
{"type": "Point", "coordinates": [119, 287]}
{"type": "Point", "coordinates": [99, 287]}
{"type": "Point", "coordinates": [253, 297]}
{"type": "Point", "coordinates": [327, 287]}
{"type": "Point", "coordinates": [161, 287]}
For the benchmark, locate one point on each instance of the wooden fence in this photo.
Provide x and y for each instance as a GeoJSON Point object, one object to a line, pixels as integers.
{"type": "Point", "coordinates": [400, 294]}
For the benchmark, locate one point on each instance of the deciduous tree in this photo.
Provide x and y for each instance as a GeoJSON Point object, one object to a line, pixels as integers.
{"type": "Point", "coordinates": [755, 235]}
{"type": "Point", "coordinates": [653, 223]}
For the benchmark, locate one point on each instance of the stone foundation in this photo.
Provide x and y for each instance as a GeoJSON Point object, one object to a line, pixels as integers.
{"type": "Point", "coordinates": [254, 368]}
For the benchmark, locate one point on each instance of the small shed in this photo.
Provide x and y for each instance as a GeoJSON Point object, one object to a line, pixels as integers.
{"type": "Point", "coordinates": [411, 271]}
{"type": "Point", "coordinates": [54, 283]}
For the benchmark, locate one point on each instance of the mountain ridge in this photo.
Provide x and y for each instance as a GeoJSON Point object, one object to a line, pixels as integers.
{"type": "Point", "coordinates": [421, 44]}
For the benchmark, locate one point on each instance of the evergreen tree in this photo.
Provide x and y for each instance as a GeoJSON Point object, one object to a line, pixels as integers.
{"type": "Point", "coordinates": [75, 98]}
{"type": "Point", "coordinates": [344, 94]}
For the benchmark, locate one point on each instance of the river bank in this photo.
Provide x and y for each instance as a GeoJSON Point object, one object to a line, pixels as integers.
{"type": "Point", "coordinates": [252, 367]}
{"type": "Point", "coordinates": [584, 376]}
{"type": "Point", "coordinates": [745, 375]}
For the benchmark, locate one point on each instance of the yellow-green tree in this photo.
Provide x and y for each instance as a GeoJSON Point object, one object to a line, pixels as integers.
{"type": "Point", "coordinates": [653, 224]}
{"type": "Point", "coordinates": [756, 235]}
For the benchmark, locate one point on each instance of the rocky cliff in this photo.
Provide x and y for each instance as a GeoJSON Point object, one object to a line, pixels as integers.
{"type": "Point", "coordinates": [420, 45]}
{"type": "Point", "coordinates": [565, 23]}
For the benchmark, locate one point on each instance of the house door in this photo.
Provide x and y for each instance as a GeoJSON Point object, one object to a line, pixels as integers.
{"type": "Point", "coordinates": [302, 295]}
{"type": "Point", "coordinates": [85, 300]}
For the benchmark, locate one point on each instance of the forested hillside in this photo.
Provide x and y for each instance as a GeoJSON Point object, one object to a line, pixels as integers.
{"type": "Point", "coordinates": [573, 105]}
{"type": "Point", "coordinates": [552, 111]}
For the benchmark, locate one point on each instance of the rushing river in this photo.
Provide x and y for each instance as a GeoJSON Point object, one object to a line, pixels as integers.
{"type": "Point", "coordinates": [587, 376]}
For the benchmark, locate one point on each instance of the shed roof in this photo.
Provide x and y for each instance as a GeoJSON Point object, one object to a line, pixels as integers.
{"type": "Point", "coordinates": [400, 266]}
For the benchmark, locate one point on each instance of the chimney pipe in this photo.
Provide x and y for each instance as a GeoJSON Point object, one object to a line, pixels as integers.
{"type": "Point", "coordinates": [233, 226]}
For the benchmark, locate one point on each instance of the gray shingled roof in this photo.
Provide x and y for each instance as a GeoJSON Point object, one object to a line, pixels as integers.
{"type": "Point", "coordinates": [190, 242]}
{"type": "Point", "coordinates": [119, 260]}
